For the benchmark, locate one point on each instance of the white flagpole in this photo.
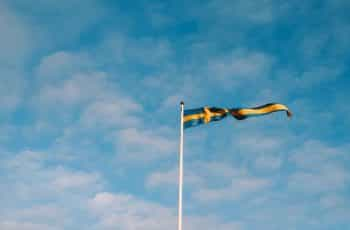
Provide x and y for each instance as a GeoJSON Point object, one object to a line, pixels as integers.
{"type": "Point", "coordinates": [181, 166]}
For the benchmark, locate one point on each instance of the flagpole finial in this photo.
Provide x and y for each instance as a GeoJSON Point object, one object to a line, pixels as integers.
{"type": "Point", "coordinates": [182, 103]}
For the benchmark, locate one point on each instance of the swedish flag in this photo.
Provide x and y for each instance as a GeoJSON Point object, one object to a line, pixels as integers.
{"type": "Point", "coordinates": [195, 117]}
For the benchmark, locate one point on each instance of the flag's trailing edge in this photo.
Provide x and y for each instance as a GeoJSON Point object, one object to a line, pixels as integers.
{"type": "Point", "coordinates": [195, 117]}
{"type": "Point", "coordinates": [243, 113]}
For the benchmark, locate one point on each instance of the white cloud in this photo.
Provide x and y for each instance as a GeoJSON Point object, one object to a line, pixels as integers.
{"type": "Point", "coordinates": [118, 111]}
{"type": "Point", "coordinates": [258, 143]}
{"type": "Point", "coordinates": [317, 75]}
{"type": "Point", "coordinates": [58, 22]}
{"type": "Point", "coordinates": [26, 160]}
{"type": "Point", "coordinates": [13, 225]}
{"type": "Point", "coordinates": [128, 212]}
{"type": "Point", "coordinates": [320, 168]}
{"type": "Point", "coordinates": [30, 167]}
{"type": "Point", "coordinates": [62, 64]}
{"type": "Point", "coordinates": [78, 88]}
{"type": "Point", "coordinates": [332, 201]}
{"type": "Point", "coordinates": [269, 162]}
{"type": "Point", "coordinates": [178, 91]}
{"type": "Point", "coordinates": [17, 40]}
{"type": "Point", "coordinates": [314, 154]}
{"type": "Point", "coordinates": [140, 145]}
{"type": "Point", "coordinates": [239, 188]}
{"type": "Point", "coordinates": [43, 194]}
{"type": "Point", "coordinates": [119, 49]}
{"type": "Point", "coordinates": [158, 16]}
{"type": "Point", "coordinates": [75, 180]}
{"type": "Point", "coordinates": [247, 13]}
{"type": "Point", "coordinates": [47, 212]}
{"type": "Point", "coordinates": [328, 179]}
{"type": "Point", "coordinates": [252, 11]}
{"type": "Point", "coordinates": [211, 181]}
{"type": "Point", "coordinates": [69, 81]}
{"type": "Point", "coordinates": [45, 216]}
{"type": "Point", "coordinates": [170, 177]}
{"type": "Point", "coordinates": [216, 169]}
{"type": "Point", "coordinates": [240, 66]}
{"type": "Point", "coordinates": [12, 85]}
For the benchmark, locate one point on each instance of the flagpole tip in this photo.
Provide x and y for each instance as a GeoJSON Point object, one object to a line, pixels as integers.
{"type": "Point", "coordinates": [182, 103]}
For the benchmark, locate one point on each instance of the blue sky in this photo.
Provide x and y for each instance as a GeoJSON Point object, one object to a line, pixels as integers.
{"type": "Point", "coordinates": [89, 111]}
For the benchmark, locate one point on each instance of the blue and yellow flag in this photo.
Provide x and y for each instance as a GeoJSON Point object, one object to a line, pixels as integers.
{"type": "Point", "coordinates": [195, 117]}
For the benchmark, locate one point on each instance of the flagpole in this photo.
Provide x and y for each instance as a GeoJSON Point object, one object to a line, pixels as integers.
{"type": "Point", "coordinates": [179, 224]}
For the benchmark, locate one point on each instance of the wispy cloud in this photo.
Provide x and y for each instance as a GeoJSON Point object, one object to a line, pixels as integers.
{"type": "Point", "coordinates": [12, 225]}
{"type": "Point", "coordinates": [128, 212]}
{"type": "Point", "coordinates": [169, 178]}
{"type": "Point", "coordinates": [320, 169]}
{"type": "Point", "coordinates": [140, 145]}
{"type": "Point", "coordinates": [44, 188]}
{"type": "Point", "coordinates": [240, 66]}
{"type": "Point", "coordinates": [29, 166]}
{"type": "Point", "coordinates": [60, 65]}
{"type": "Point", "coordinates": [239, 188]}
{"type": "Point", "coordinates": [14, 45]}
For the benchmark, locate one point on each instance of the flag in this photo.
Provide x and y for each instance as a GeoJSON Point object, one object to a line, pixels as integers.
{"type": "Point", "coordinates": [243, 113]}
{"type": "Point", "coordinates": [195, 117]}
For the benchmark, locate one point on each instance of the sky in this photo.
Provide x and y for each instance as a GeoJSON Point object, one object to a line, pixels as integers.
{"type": "Point", "coordinates": [89, 114]}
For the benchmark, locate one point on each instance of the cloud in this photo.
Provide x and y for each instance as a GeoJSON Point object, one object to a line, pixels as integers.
{"type": "Point", "coordinates": [43, 194]}
{"type": "Point", "coordinates": [145, 51]}
{"type": "Point", "coordinates": [26, 160]}
{"type": "Point", "coordinates": [268, 162]}
{"type": "Point", "coordinates": [157, 16]}
{"type": "Point", "coordinates": [252, 11]}
{"type": "Point", "coordinates": [118, 111]}
{"type": "Point", "coordinates": [238, 189]}
{"type": "Point", "coordinates": [128, 212]}
{"type": "Point", "coordinates": [74, 89]}
{"type": "Point", "coordinates": [106, 210]}
{"type": "Point", "coordinates": [15, 44]}
{"type": "Point", "coordinates": [314, 154]}
{"type": "Point", "coordinates": [47, 216]}
{"type": "Point", "coordinates": [57, 22]}
{"type": "Point", "coordinates": [197, 175]}
{"type": "Point", "coordinates": [12, 86]}
{"type": "Point", "coordinates": [317, 75]}
{"type": "Point", "coordinates": [63, 64]}
{"type": "Point", "coordinates": [240, 66]}
{"type": "Point", "coordinates": [320, 168]}
{"type": "Point", "coordinates": [75, 180]}
{"type": "Point", "coordinates": [216, 169]}
{"type": "Point", "coordinates": [328, 179]}
{"type": "Point", "coordinates": [170, 177]}
{"type": "Point", "coordinates": [332, 201]}
{"type": "Point", "coordinates": [259, 143]}
{"type": "Point", "coordinates": [47, 212]}
{"type": "Point", "coordinates": [241, 13]}
{"type": "Point", "coordinates": [12, 225]}
{"type": "Point", "coordinates": [66, 78]}
{"type": "Point", "coordinates": [31, 167]}
{"type": "Point", "coordinates": [69, 82]}
{"type": "Point", "coordinates": [138, 145]}
{"type": "Point", "coordinates": [211, 182]}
